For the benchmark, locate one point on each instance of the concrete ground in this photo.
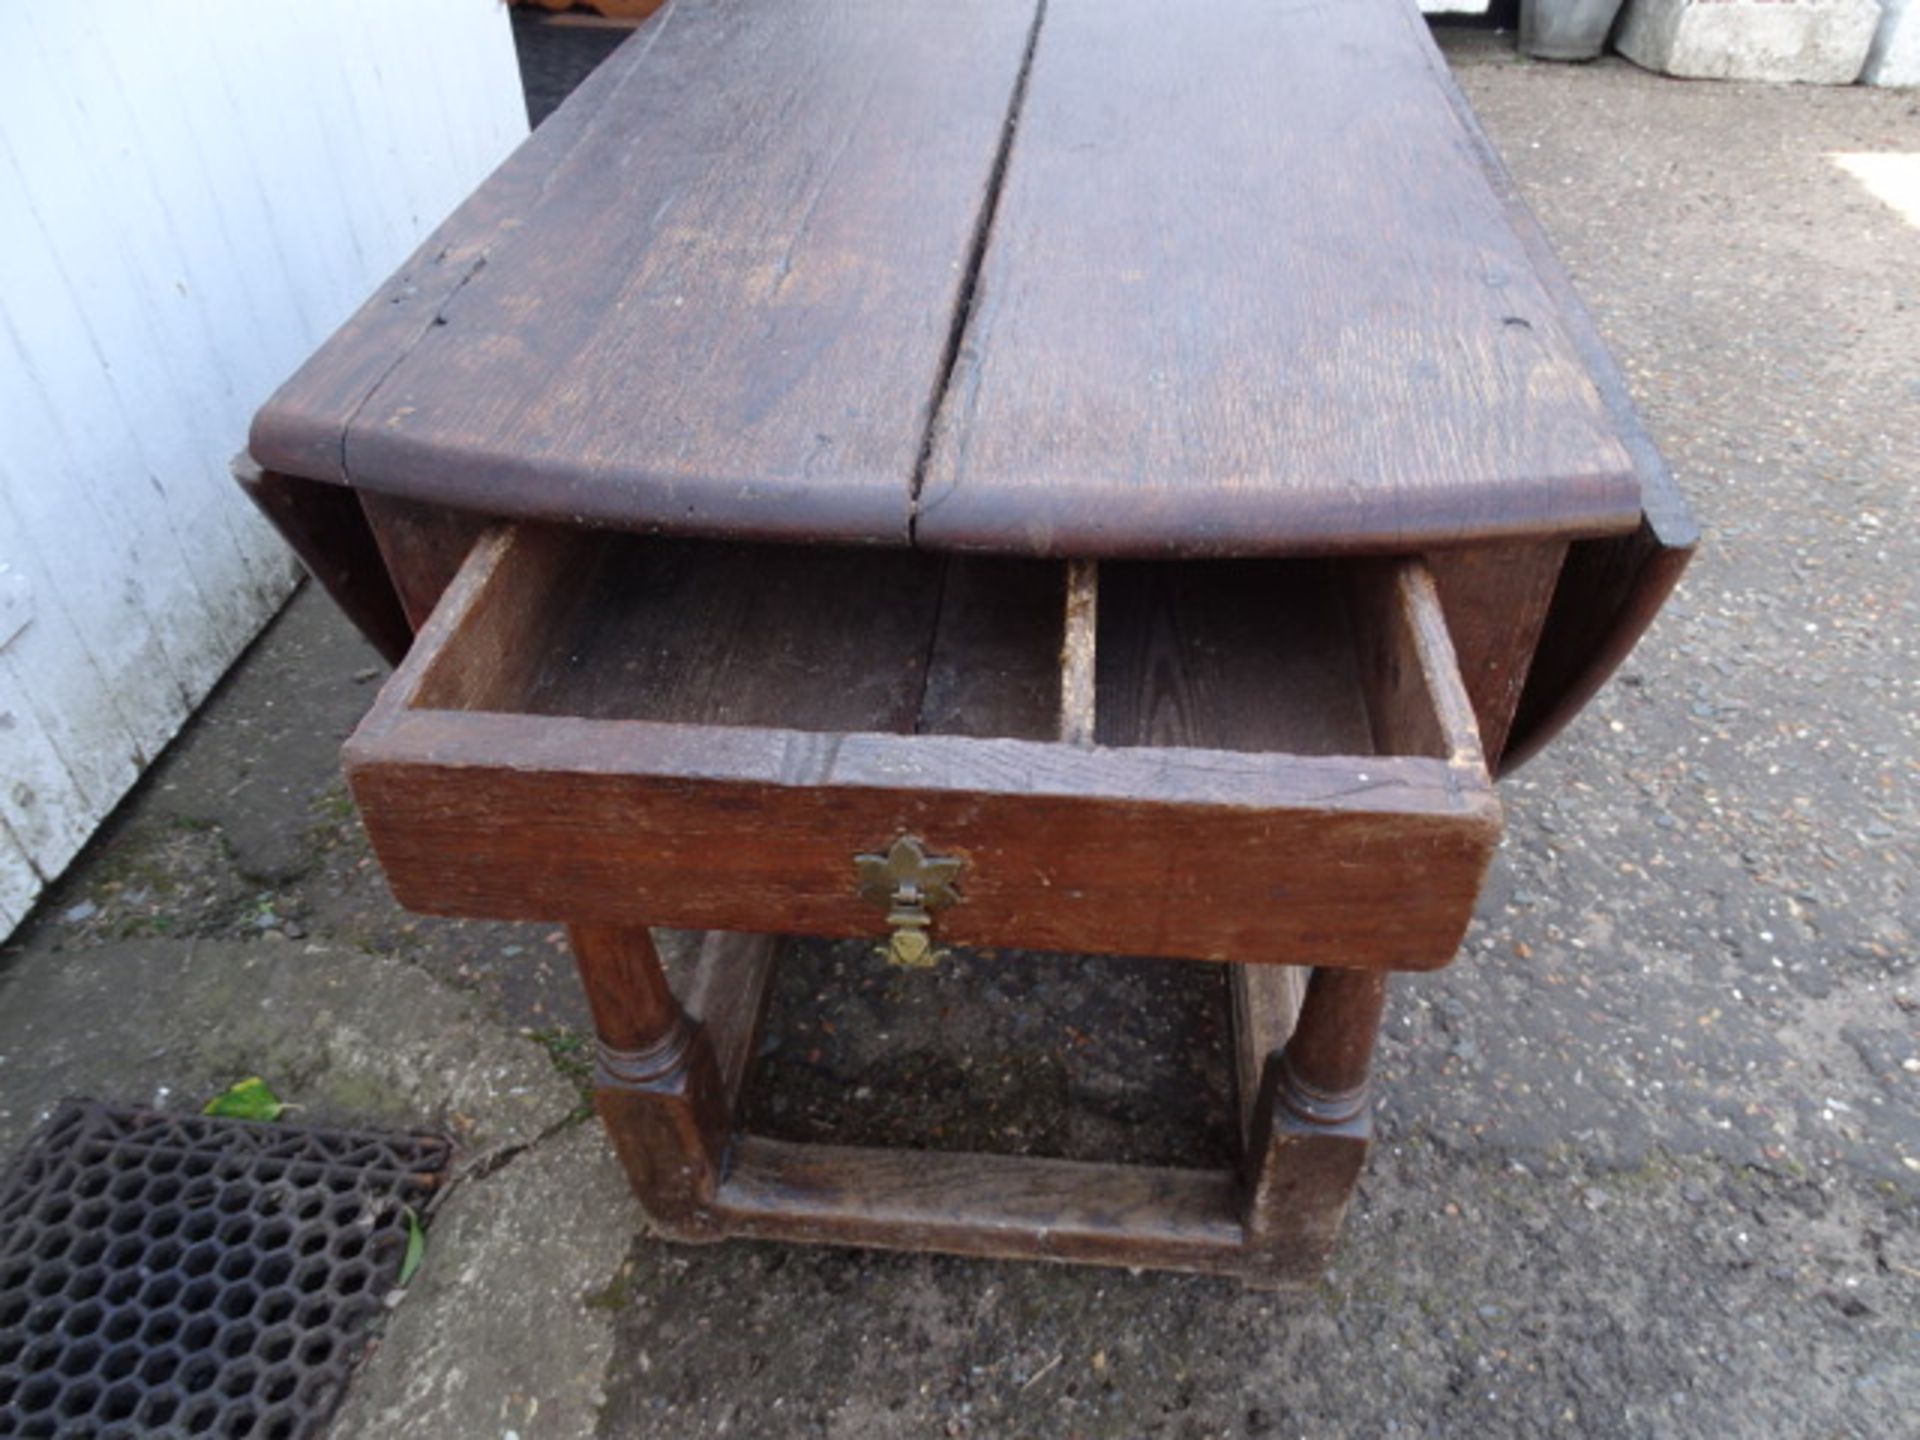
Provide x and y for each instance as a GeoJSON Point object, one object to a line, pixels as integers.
{"type": "Point", "coordinates": [1649, 1155]}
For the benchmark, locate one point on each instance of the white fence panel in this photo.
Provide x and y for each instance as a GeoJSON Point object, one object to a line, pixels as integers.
{"type": "Point", "coordinates": [191, 196]}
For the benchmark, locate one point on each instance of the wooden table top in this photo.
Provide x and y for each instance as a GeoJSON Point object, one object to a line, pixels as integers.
{"type": "Point", "coordinates": [1100, 277]}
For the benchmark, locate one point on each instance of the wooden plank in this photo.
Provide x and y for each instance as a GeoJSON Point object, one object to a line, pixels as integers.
{"type": "Point", "coordinates": [1189, 852]}
{"type": "Point", "coordinates": [487, 639]}
{"type": "Point", "coordinates": [1232, 655]}
{"type": "Point", "coordinates": [1609, 590]}
{"type": "Point", "coordinates": [728, 993]}
{"type": "Point", "coordinates": [1000, 1206]}
{"type": "Point", "coordinates": [422, 548]}
{"type": "Point", "coordinates": [1194, 854]}
{"type": "Point", "coordinates": [1495, 598]}
{"type": "Point", "coordinates": [994, 668]}
{"type": "Point", "coordinates": [1079, 653]}
{"type": "Point", "coordinates": [1248, 291]}
{"type": "Point", "coordinates": [802, 637]}
{"type": "Point", "coordinates": [1415, 698]}
{"type": "Point", "coordinates": [1266, 1003]}
{"type": "Point", "coordinates": [1311, 1123]}
{"type": "Point", "coordinates": [766, 213]}
{"type": "Point", "coordinates": [327, 528]}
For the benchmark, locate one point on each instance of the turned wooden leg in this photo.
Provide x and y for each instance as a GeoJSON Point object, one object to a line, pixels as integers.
{"type": "Point", "coordinates": [657, 1086]}
{"type": "Point", "coordinates": [1310, 1127]}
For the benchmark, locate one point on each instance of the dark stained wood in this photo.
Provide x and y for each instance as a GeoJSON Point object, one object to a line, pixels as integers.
{"type": "Point", "coordinates": [325, 528]}
{"type": "Point", "coordinates": [485, 644]}
{"type": "Point", "coordinates": [1002, 1206]}
{"type": "Point", "coordinates": [1230, 655]}
{"type": "Point", "coordinates": [1310, 1128]}
{"type": "Point", "coordinates": [1266, 1005]}
{"type": "Point", "coordinates": [1328, 1057]}
{"type": "Point", "coordinates": [1416, 702]}
{"type": "Point", "coordinates": [727, 997]}
{"type": "Point", "coordinates": [994, 667]}
{"type": "Point", "coordinates": [1300, 1180]}
{"type": "Point", "coordinates": [627, 991]}
{"type": "Point", "coordinates": [1608, 595]}
{"type": "Point", "coordinates": [1611, 589]}
{"type": "Point", "coordinates": [715, 292]}
{"type": "Point", "coordinates": [1272, 1223]}
{"type": "Point", "coordinates": [1495, 598]}
{"type": "Point", "coordinates": [800, 637]}
{"type": "Point", "coordinates": [1254, 285]}
{"type": "Point", "coordinates": [303, 426]}
{"type": "Point", "coordinates": [423, 547]}
{"type": "Point", "coordinates": [1193, 854]}
{"type": "Point", "coordinates": [656, 1084]}
{"type": "Point", "coordinates": [1170, 849]}
{"type": "Point", "coordinates": [1247, 291]}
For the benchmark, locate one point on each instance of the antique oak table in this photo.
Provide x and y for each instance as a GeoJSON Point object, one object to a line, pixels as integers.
{"type": "Point", "coordinates": [1086, 475]}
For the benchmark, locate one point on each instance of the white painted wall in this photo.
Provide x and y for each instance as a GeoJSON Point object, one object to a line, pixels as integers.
{"type": "Point", "coordinates": [192, 195]}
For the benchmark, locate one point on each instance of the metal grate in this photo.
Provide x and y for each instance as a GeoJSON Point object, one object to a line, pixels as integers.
{"type": "Point", "coordinates": [179, 1275]}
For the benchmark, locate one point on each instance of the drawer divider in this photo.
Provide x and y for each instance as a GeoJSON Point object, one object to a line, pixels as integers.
{"type": "Point", "coordinates": [1079, 652]}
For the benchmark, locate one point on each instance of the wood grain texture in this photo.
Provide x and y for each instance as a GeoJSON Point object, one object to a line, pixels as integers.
{"type": "Point", "coordinates": [994, 669]}
{"type": "Point", "coordinates": [1229, 655]}
{"type": "Point", "coordinates": [326, 527]}
{"type": "Point", "coordinates": [1610, 589]}
{"type": "Point", "coordinates": [801, 637]}
{"type": "Point", "coordinates": [1003, 1206]}
{"type": "Point", "coordinates": [1190, 854]}
{"type": "Point", "coordinates": [1328, 1060]}
{"type": "Point", "coordinates": [485, 643]}
{"type": "Point", "coordinates": [627, 991]}
{"type": "Point", "coordinates": [1079, 653]}
{"type": "Point", "coordinates": [727, 996]}
{"type": "Point", "coordinates": [1173, 848]}
{"type": "Point", "coordinates": [1187, 849]}
{"type": "Point", "coordinates": [1416, 702]}
{"type": "Point", "coordinates": [1269, 1222]}
{"type": "Point", "coordinates": [1310, 1125]}
{"type": "Point", "coordinates": [1300, 1178]}
{"type": "Point", "coordinates": [422, 546]}
{"type": "Point", "coordinates": [1248, 291]}
{"type": "Point", "coordinates": [657, 1085]}
{"type": "Point", "coordinates": [715, 292]}
{"type": "Point", "coordinates": [1266, 1004]}
{"type": "Point", "coordinates": [1609, 593]}
{"type": "Point", "coordinates": [1495, 598]}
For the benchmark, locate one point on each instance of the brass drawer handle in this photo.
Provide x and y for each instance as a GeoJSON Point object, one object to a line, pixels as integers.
{"type": "Point", "coordinates": [912, 885]}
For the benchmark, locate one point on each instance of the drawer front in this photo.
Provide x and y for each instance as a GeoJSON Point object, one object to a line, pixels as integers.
{"type": "Point", "coordinates": [1218, 856]}
{"type": "Point", "coordinates": [478, 805]}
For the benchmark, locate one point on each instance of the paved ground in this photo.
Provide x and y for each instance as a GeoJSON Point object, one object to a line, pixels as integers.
{"type": "Point", "coordinates": [1650, 1153]}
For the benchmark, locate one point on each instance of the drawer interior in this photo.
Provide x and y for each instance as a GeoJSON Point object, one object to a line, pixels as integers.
{"type": "Point", "coordinates": [1303, 657]}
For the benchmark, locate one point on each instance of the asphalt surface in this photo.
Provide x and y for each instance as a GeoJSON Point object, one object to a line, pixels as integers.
{"type": "Point", "coordinates": [1649, 1153]}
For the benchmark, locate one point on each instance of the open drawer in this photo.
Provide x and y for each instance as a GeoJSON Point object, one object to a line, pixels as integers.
{"type": "Point", "coordinates": [1260, 761]}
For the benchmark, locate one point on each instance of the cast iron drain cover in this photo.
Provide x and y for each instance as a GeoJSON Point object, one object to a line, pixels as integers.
{"type": "Point", "coordinates": [178, 1275]}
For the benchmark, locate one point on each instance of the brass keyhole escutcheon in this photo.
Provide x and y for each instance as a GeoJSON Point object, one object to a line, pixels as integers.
{"type": "Point", "coordinates": [912, 885]}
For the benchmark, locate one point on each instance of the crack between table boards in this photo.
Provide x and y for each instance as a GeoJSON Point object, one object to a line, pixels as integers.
{"type": "Point", "coordinates": [970, 279]}
{"type": "Point", "coordinates": [436, 318]}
